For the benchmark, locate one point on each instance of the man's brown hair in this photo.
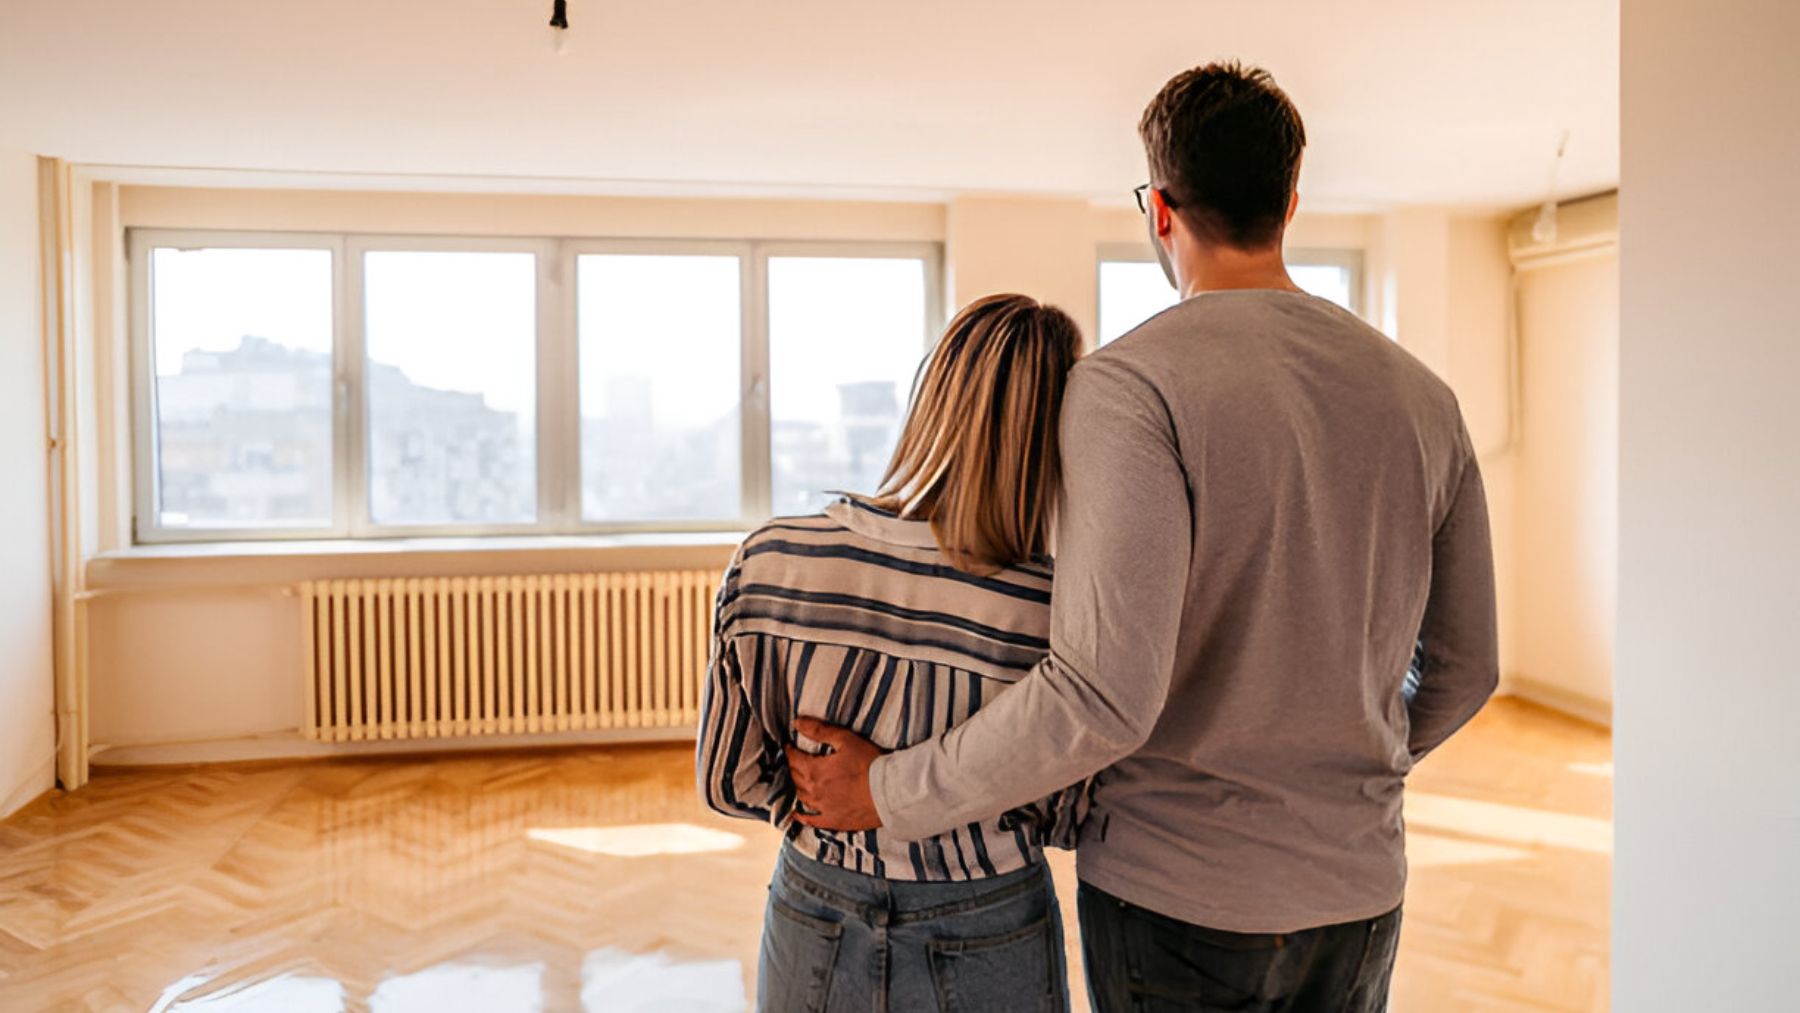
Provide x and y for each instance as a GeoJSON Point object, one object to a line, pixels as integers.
{"type": "Point", "coordinates": [978, 455]}
{"type": "Point", "coordinates": [1224, 146]}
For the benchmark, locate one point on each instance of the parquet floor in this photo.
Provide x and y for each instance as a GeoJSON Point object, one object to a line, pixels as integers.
{"type": "Point", "coordinates": [592, 880]}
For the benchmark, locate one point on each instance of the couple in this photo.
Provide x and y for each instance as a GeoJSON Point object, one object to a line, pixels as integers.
{"type": "Point", "coordinates": [1272, 595]}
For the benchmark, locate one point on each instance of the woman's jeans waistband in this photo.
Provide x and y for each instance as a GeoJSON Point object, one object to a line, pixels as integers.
{"type": "Point", "coordinates": [890, 902]}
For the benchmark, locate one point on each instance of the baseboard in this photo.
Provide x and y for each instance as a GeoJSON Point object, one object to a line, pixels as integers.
{"type": "Point", "coordinates": [1576, 705]}
{"type": "Point", "coordinates": [293, 746]}
{"type": "Point", "coordinates": [32, 788]}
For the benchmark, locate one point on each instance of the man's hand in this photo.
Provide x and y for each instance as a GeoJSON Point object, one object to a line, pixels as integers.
{"type": "Point", "coordinates": [834, 788]}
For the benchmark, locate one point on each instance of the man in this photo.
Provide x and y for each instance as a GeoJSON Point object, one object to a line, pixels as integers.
{"type": "Point", "coordinates": [1268, 507]}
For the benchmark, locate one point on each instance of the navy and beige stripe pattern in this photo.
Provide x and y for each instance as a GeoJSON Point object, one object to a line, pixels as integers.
{"type": "Point", "coordinates": [856, 618]}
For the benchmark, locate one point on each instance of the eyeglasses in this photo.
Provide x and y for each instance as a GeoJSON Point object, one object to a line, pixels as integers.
{"type": "Point", "coordinates": [1142, 195]}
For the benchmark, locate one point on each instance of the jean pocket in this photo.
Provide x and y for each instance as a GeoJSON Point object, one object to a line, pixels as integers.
{"type": "Point", "coordinates": [1009, 973]}
{"type": "Point", "coordinates": [799, 952]}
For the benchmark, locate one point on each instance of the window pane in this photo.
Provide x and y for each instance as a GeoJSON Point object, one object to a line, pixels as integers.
{"type": "Point", "coordinates": [241, 341]}
{"type": "Point", "coordinates": [1327, 281]}
{"type": "Point", "coordinates": [661, 433]}
{"type": "Point", "coordinates": [451, 381]}
{"type": "Point", "coordinates": [845, 338]}
{"type": "Point", "coordinates": [1132, 291]}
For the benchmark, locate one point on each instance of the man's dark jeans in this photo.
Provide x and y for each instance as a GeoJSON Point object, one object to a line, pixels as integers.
{"type": "Point", "coordinates": [1141, 962]}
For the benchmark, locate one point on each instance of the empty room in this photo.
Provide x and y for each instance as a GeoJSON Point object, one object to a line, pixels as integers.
{"type": "Point", "coordinates": [573, 505]}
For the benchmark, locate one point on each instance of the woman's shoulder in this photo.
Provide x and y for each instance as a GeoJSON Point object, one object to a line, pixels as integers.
{"type": "Point", "coordinates": [848, 537]}
{"type": "Point", "coordinates": [795, 525]}
{"type": "Point", "coordinates": [782, 541]}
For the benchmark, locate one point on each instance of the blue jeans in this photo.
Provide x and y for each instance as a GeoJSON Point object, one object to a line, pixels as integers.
{"type": "Point", "coordinates": [836, 941]}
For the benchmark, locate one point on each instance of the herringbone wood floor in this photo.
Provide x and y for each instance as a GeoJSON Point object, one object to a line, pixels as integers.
{"type": "Point", "coordinates": [593, 880]}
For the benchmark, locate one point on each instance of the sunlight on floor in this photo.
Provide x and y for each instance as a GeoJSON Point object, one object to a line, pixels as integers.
{"type": "Point", "coordinates": [640, 840]}
{"type": "Point", "coordinates": [1500, 822]}
{"type": "Point", "coordinates": [1427, 850]}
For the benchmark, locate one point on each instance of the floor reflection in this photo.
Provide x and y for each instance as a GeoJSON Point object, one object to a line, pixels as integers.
{"type": "Point", "coordinates": [542, 882]}
{"type": "Point", "coordinates": [617, 982]}
{"type": "Point", "coordinates": [641, 840]}
{"type": "Point", "coordinates": [612, 981]}
{"type": "Point", "coordinates": [456, 987]}
{"type": "Point", "coordinates": [285, 993]}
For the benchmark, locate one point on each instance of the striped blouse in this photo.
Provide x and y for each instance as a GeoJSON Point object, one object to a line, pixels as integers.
{"type": "Point", "coordinates": [854, 617]}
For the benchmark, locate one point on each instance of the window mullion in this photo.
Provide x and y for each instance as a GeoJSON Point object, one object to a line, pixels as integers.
{"type": "Point", "coordinates": [342, 497]}
{"type": "Point", "coordinates": [754, 406]}
{"type": "Point", "coordinates": [559, 423]}
{"type": "Point", "coordinates": [353, 470]}
{"type": "Point", "coordinates": [144, 468]}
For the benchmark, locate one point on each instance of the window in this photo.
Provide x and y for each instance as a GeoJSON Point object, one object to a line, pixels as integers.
{"type": "Point", "coordinates": [239, 383]}
{"type": "Point", "coordinates": [1133, 289]}
{"type": "Point", "coordinates": [844, 340]}
{"type": "Point", "coordinates": [301, 386]}
{"type": "Point", "coordinates": [449, 360]}
{"type": "Point", "coordinates": [661, 365]}
{"type": "Point", "coordinates": [1131, 292]}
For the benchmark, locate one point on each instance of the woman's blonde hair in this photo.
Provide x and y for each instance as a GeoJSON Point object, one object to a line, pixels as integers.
{"type": "Point", "coordinates": [978, 455]}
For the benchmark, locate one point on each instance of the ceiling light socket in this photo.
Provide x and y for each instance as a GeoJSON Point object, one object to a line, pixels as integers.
{"type": "Point", "coordinates": [559, 27]}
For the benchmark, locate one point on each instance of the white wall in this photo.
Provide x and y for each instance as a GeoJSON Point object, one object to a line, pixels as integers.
{"type": "Point", "coordinates": [1043, 248]}
{"type": "Point", "coordinates": [1707, 712]}
{"type": "Point", "coordinates": [27, 732]}
{"type": "Point", "coordinates": [1568, 473]}
{"type": "Point", "coordinates": [1415, 283]}
{"type": "Point", "coordinates": [1477, 347]}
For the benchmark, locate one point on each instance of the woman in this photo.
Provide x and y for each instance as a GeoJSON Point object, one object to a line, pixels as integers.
{"type": "Point", "coordinates": [899, 616]}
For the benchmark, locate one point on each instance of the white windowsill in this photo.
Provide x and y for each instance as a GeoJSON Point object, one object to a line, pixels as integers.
{"type": "Point", "coordinates": [256, 548]}
{"type": "Point", "coordinates": [199, 566]}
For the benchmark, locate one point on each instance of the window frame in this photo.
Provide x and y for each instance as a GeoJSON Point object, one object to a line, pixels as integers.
{"type": "Point", "coordinates": [1348, 258]}
{"type": "Point", "coordinates": [750, 362]}
{"type": "Point", "coordinates": [557, 401]}
{"type": "Point", "coordinates": [147, 527]}
{"type": "Point", "coordinates": [936, 310]}
{"type": "Point", "coordinates": [353, 340]}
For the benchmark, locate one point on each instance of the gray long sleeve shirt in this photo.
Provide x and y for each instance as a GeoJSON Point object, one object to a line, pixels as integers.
{"type": "Point", "coordinates": [1268, 506]}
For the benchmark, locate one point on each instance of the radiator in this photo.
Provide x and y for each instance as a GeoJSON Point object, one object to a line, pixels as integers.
{"type": "Point", "coordinates": [460, 656]}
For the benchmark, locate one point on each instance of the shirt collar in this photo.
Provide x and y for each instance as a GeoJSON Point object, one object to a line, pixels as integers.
{"type": "Point", "coordinates": [881, 525]}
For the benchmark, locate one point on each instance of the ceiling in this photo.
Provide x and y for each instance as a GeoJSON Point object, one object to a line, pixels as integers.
{"type": "Point", "coordinates": [1406, 101]}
